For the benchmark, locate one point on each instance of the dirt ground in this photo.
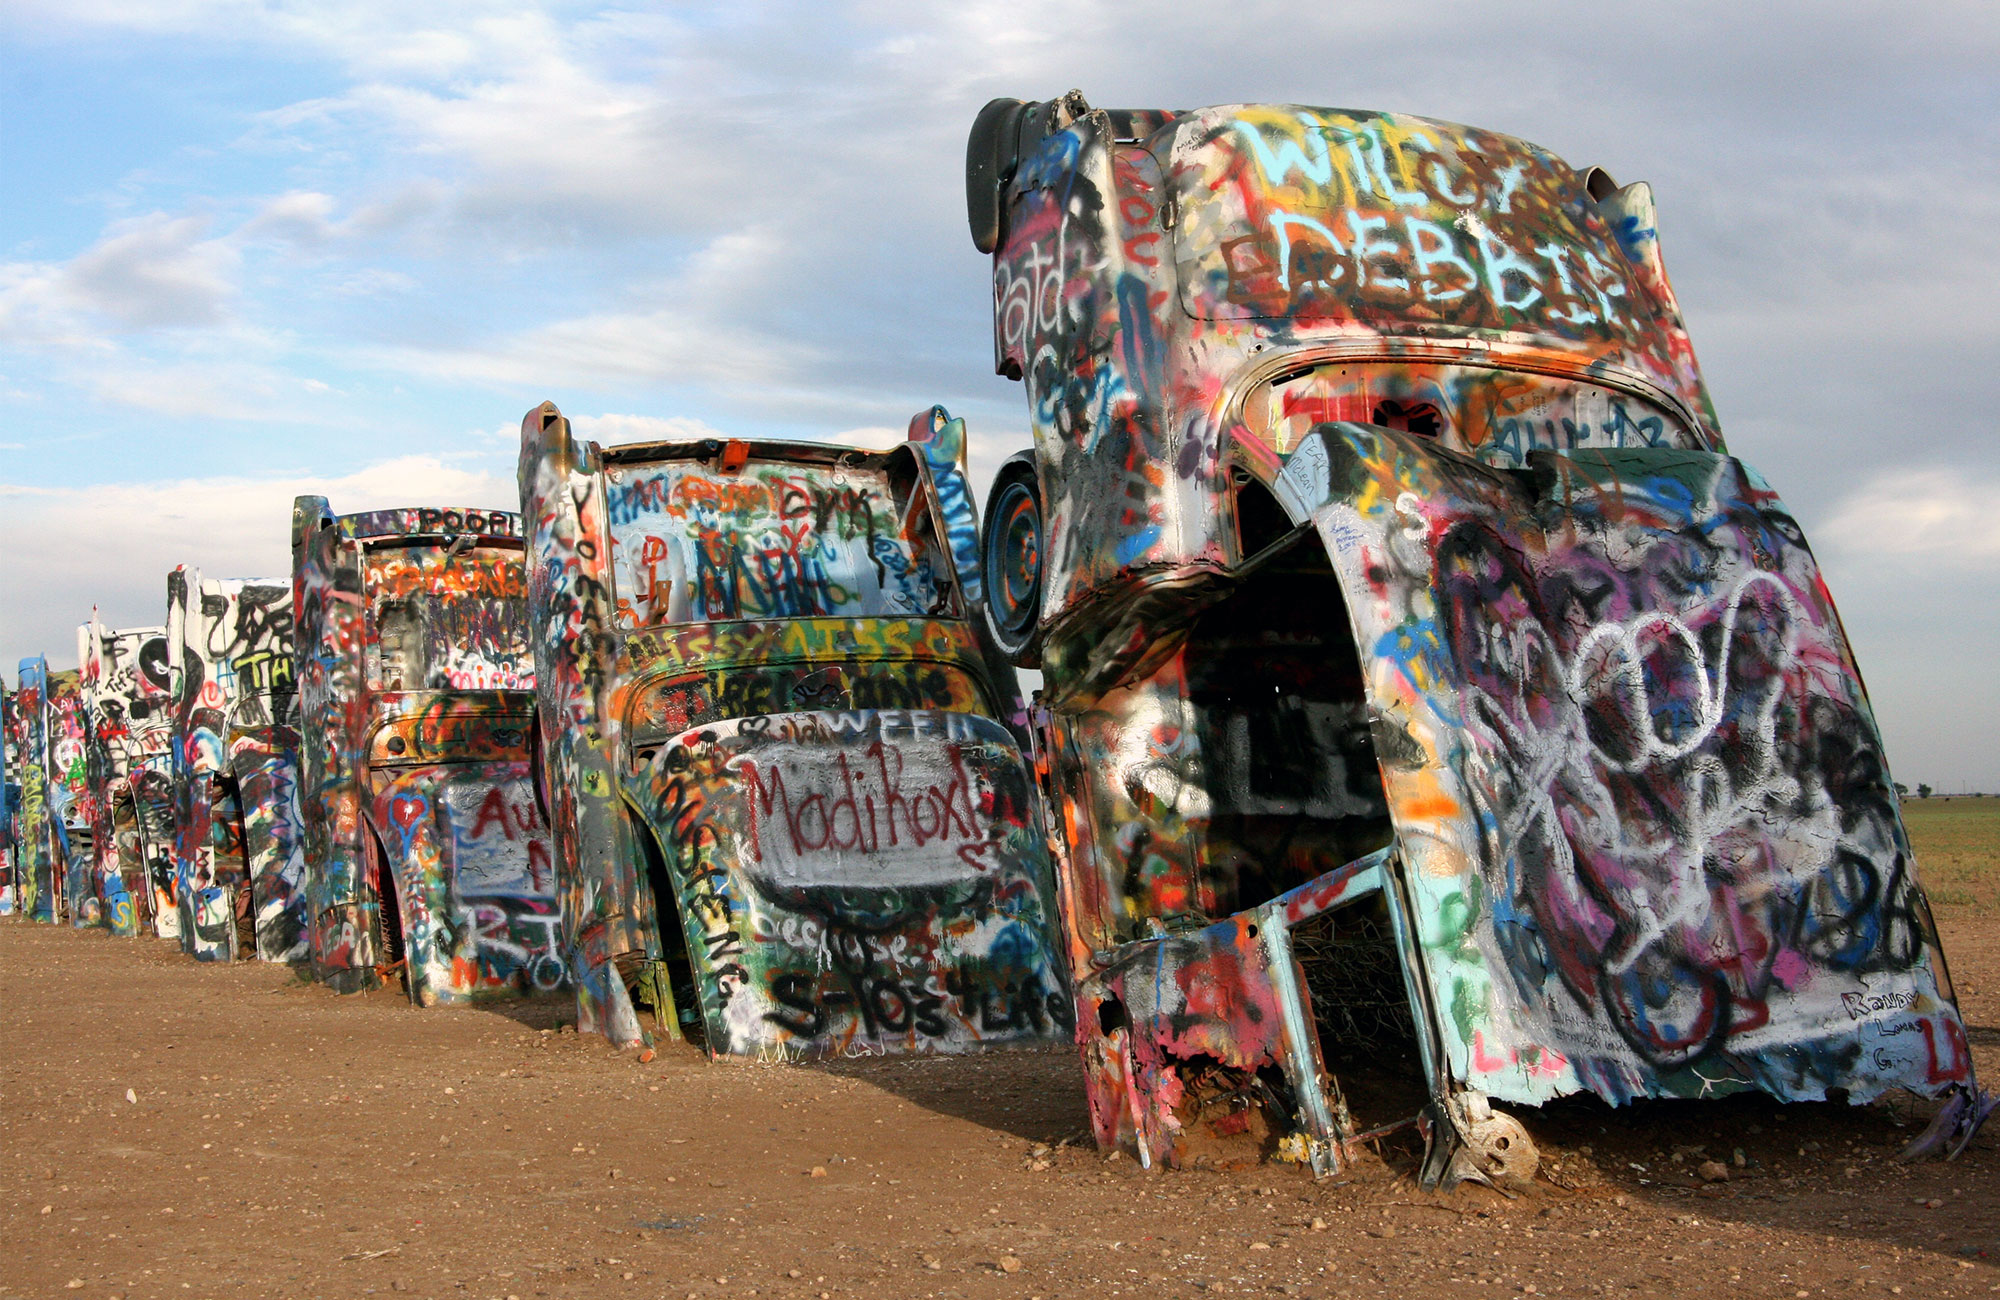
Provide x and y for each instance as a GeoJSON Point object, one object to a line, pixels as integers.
{"type": "Point", "coordinates": [173, 1130]}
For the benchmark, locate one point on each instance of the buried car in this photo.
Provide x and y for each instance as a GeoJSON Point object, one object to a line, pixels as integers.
{"type": "Point", "coordinates": [38, 844]}
{"type": "Point", "coordinates": [1437, 714]}
{"type": "Point", "coordinates": [126, 687]}
{"type": "Point", "coordinates": [238, 852]}
{"type": "Point", "coordinates": [787, 812]}
{"type": "Point", "coordinates": [71, 800]}
{"type": "Point", "coordinates": [427, 850]}
{"type": "Point", "coordinates": [10, 798]}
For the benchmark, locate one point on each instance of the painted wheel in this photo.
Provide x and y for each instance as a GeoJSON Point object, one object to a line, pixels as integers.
{"type": "Point", "coordinates": [1011, 552]}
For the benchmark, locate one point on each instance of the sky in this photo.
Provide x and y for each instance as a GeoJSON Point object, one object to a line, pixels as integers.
{"type": "Point", "coordinates": [254, 249]}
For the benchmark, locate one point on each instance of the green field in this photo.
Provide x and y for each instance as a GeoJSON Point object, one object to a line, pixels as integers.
{"type": "Point", "coordinates": [1958, 850]}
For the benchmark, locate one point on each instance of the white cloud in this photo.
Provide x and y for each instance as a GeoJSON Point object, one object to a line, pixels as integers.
{"type": "Point", "coordinates": [875, 437]}
{"type": "Point", "coordinates": [112, 544]}
{"type": "Point", "coordinates": [609, 349]}
{"type": "Point", "coordinates": [1927, 514]}
{"type": "Point", "coordinates": [144, 273]}
{"type": "Point", "coordinates": [296, 217]}
{"type": "Point", "coordinates": [611, 429]}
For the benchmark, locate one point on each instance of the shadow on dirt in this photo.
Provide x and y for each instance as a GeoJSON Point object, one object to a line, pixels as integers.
{"type": "Point", "coordinates": [1033, 1094]}
{"type": "Point", "coordinates": [1803, 1167]}
{"type": "Point", "coordinates": [547, 1011]}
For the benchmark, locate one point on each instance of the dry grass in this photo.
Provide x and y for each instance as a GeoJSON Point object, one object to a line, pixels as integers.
{"type": "Point", "coordinates": [1957, 841]}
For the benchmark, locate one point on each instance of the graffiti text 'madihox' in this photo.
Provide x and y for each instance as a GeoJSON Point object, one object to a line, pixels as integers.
{"type": "Point", "coordinates": [894, 814]}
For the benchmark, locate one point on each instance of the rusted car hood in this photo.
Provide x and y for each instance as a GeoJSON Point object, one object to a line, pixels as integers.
{"type": "Point", "coordinates": [1646, 835]}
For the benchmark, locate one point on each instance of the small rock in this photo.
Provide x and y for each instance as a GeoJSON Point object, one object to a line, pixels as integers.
{"type": "Point", "coordinates": [48, 1209]}
{"type": "Point", "coordinates": [818, 1171]}
{"type": "Point", "coordinates": [74, 1284]}
{"type": "Point", "coordinates": [1260, 1245]}
{"type": "Point", "coordinates": [1713, 1171]}
{"type": "Point", "coordinates": [933, 1263]}
{"type": "Point", "coordinates": [1319, 1225]}
{"type": "Point", "coordinates": [1008, 1264]}
{"type": "Point", "coordinates": [132, 1096]}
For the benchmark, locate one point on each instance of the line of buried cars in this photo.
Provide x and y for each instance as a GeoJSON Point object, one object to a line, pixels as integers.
{"type": "Point", "coordinates": [1435, 718]}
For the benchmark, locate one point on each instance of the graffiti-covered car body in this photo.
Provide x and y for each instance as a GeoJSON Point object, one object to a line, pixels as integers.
{"type": "Point", "coordinates": [786, 811]}
{"type": "Point", "coordinates": [238, 849]}
{"type": "Point", "coordinates": [1421, 670]}
{"type": "Point", "coordinates": [71, 805]}
{"type": "Point", "coordinates": [38, 868]}
{"type": "Point", "coordinates": [253, 648]}
{"type": "Point", "coordinates": [428, 851]}
{"type": "Point", "coordinates": [126, 689]}
{"type": "Point", "coordinates": [10, 799]}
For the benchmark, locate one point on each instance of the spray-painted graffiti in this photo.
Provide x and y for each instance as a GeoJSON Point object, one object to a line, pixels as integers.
{"type": "Point", "coordinates": [10, 800]}
{"type": "Point", "coordinates": [742, 649]}
{"type": "Point", "coordinates": [429, 851]}
{"type": "Point", "coordinates": [263, 746]}
{"type": "Point", "coordinates": [692, 544]}
{"type": "Point", "coordinates": [126, 686]}
{"type": "Point", "coordinates": [71, 803]}
{"type": "Point", "coordinates": [37, 832]}
{"type": "Point", "coordinates": [1690, 866]}
{"type": "Point", "coordinates": [153, 808]}
{"type": "Point", "coordinates": [858, 882]}
{"type": "Point", "coordinates": [238, 853]}
{"type": "Point", "coordinates": [1425, 681]}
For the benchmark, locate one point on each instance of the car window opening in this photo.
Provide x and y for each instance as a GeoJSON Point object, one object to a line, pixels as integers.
{"type": "Point", "coordinates": [1422, 418]}
{"type": "Point", "coordinates": [1274, 680]}
{"type": "Point", "coordinates": [1295, 791]}
{"type": "Point", "coordinates": [1260, 520]}
{"type": "Point", "coordinates": [772, 540]}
